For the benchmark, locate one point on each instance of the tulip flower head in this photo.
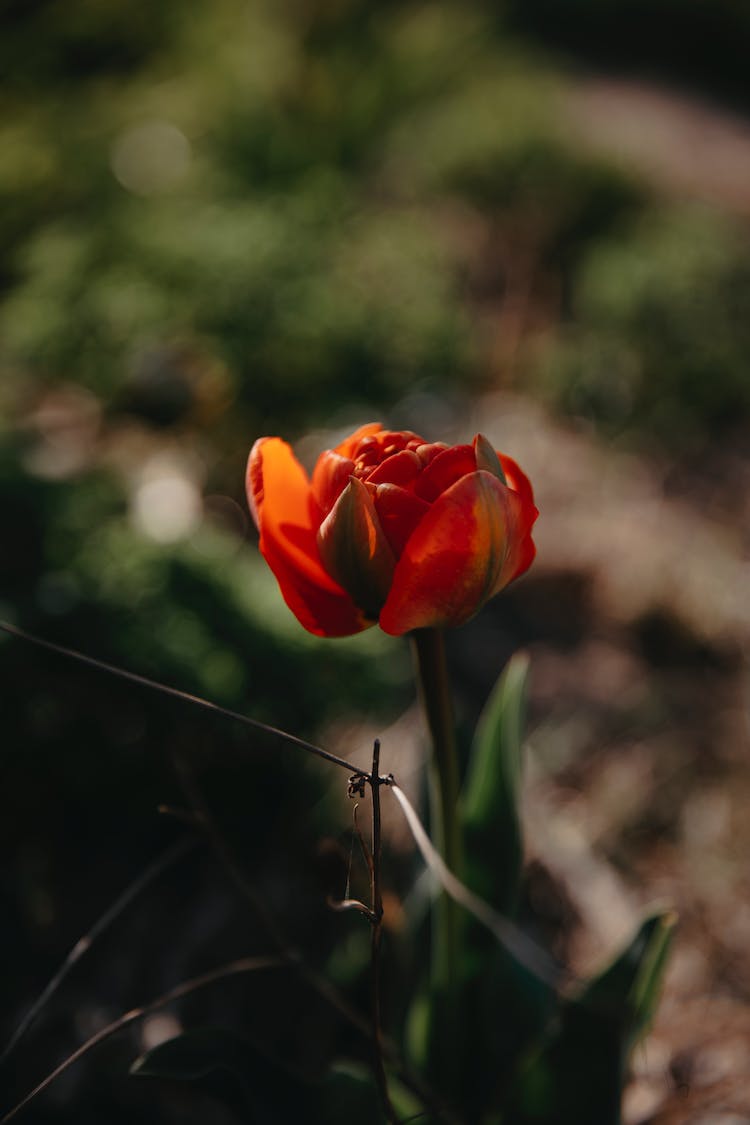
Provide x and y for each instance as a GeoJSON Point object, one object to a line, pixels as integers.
{"type": "Point", "coordinates": [390, 530]}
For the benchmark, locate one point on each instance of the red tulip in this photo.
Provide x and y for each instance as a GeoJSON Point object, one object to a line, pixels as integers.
{"type": "Point", "coordinates": [390, 529]}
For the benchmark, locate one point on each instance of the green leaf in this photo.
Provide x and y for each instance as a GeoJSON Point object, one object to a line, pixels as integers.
{"type": "Point", "coordinates": [508, 1009]}
{"type": "Point", "coordinates": [631, 984]}
{"type": "Point", "coordinates": [505, 1007]}
{"type": "Point", "coordinates": [579, 1074]}
{"type": "Point", "coordinates": [492, 832]}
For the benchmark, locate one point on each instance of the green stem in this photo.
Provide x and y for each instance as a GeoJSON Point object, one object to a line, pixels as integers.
{"type": "Point", "coordinates": [432, 673]}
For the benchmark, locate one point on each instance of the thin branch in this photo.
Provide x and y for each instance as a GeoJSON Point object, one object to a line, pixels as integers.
{"type": "Point", "coordinates": [184, 696]}
{"type": "Point", "coordinates": [267, 918]}
{"type": "Point", "coordinates": [273, 929]}
{"type": "Point", "coordinates": [507, 933]}
{"type": "Point", "coordinates": [366, 853]}
{"type": "Point", "coordinates": [233, 968]}
{"type": "Point", "coordinates": [343, 904]}
{"type": "Point", "coordinates": [157, 868]}
{"type": "Point", "coordinates": [377, 840]}
{"type": "Point", "coordinates": [376, 920]}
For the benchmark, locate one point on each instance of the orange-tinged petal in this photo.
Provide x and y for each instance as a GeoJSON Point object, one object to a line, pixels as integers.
{"type": "Point", "coordinates": [279, 498]}
{"type": "Point", "coordinates": [427, 452]}
{"type": "Point", "coordinates": [516, 478]}
{"type": "Point", "coordinates": [348, 447]}
{"type": "Point", "coordinates": [277, 487]}
{"type": "Point", "coordinates": [254, 479]}
{"type": "Point", "coordinates": [467, 547]}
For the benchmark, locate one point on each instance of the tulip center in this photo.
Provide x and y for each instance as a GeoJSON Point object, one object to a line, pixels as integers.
{"type": "Point", "coordinates": [393, 458]}
{"type": "Point", "coordinates": [374, 450]}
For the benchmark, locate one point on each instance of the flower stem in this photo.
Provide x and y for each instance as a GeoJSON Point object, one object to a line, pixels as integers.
{"type": "Point", "coordinates": [432, 673]}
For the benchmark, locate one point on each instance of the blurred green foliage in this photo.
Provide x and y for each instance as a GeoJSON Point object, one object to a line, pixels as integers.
{"type": "Point", "coordinates": [330, 204]}
{"type": "Point", "coordinates": [660, 338]}
{"type": "Point", "coordinates": [309, 230]}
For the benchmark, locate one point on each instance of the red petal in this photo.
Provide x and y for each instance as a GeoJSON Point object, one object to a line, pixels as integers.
{"type": "Point", "coordinates": [401, 468]}
{"type": "Point", "coordinates": [526, 556]}
{"type": "Point", "coordinates": [279, 497]}
{"type": "Point", "coordinates": [427, 452]}
{"type": "Point", "coordinates": [517, 479]}
{"type": "Point", "coordinates": [471, 543]}
{"type": "Point", "coordinates": [330, 478]}
{"type": "Point", "coordinates": [444, 470]}
{"type": "Point", "coordinates": [399, 513]}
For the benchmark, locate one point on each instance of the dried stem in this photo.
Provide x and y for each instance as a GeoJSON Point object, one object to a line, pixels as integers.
{"type": "Point", "coordinates": [376, 936]}
{"type": "Point", "coordinates": [184, 696]}
{"type": "Point", "coordinates": [82, 946]}
{"type": "Point", "coordinates": [242, 965]}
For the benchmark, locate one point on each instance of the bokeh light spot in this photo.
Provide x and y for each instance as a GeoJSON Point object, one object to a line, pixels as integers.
{"type": "Point", "coordinates": [150, 158]}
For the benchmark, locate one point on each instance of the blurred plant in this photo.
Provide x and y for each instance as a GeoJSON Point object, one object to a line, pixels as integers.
{"type": "Point", "coordinates": [658, 347]}
{"type": "Point", "coordinates": [220, 195]}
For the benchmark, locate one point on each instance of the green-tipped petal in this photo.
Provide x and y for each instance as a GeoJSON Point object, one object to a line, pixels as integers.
{"type": "Point", "coordinates": [355, 550]}
{"type": "Point", "coordinates": [487, 458]}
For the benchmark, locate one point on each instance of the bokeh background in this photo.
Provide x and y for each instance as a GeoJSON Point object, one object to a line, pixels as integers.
{"type": "Point", "coordinates": [224, 220]}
